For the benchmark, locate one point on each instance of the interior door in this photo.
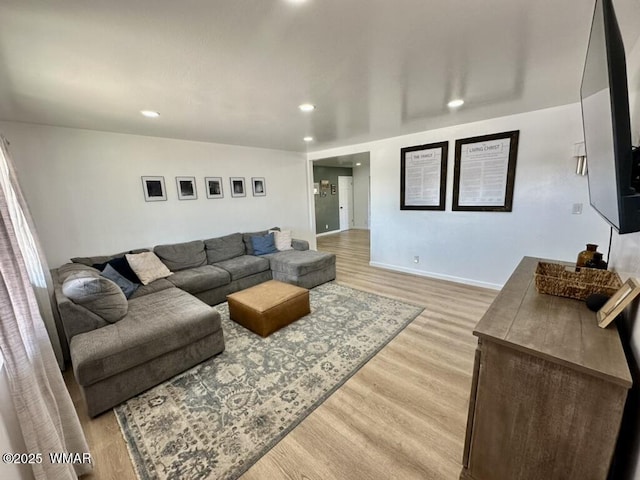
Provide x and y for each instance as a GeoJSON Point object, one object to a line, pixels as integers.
{"type": "Point", "coordinates": [345, 201]}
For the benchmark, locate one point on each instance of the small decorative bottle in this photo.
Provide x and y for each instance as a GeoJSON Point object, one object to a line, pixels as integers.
{"type": "Point", "coordinates": [597, 262]}
{"type": "Point", "coordinates": [586, 255]}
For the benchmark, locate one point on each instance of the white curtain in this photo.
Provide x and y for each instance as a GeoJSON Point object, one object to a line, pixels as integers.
{"type": "Point", "coordinates": [47, 418]}
{"type": "Point", "coordinates": [35, 264]}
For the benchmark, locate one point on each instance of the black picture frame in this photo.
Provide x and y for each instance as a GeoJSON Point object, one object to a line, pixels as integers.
{"type": "Point", "coordinates": [420, 164]}
{"type": "Point", "coordinates": [237, 187]}
{"type": "Point", "coordinates": [154, 189]}
{"type": "Point", "coordinates": [213, 187]}
{"type": "Point", "coordinates": [484, 172]}
{"type": "Point", "coordinates": [186, 187]}
{"type": "Point", "coordinates": [258, 186]}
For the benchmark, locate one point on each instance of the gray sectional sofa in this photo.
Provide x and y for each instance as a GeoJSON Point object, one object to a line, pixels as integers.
{"type": "Point", "coordinates": [122, 346]}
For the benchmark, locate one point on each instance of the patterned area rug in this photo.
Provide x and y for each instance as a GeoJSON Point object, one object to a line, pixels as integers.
{"type": "Point", "coordinates": [217, 419]}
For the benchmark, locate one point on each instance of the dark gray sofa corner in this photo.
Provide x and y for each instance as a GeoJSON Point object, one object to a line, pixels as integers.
{"type": "Point", "coordinates": [168, 325]}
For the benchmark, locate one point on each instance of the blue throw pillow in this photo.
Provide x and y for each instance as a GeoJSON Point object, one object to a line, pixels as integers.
{"type": "Point", "coordinates": [127, 286]}
{"type": "Point", "coordinates": [263, 244]}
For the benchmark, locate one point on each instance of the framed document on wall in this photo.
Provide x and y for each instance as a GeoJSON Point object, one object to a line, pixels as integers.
{"type": "Point", "coordinates": [423, 176]}
{"type": "Point", "coordinates": [484, 172]}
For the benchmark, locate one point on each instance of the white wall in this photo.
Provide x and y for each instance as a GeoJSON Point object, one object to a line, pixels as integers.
{"type": "Point", "coordinates": [361, 196]}
{"type": "Point", "coordinates": [484, 247]}
{"type": "Point", "coordinates": [85, 191]}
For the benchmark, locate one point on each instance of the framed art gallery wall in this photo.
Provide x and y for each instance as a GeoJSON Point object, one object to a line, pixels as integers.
{"type": "Point", "coordinates": [107, 168]}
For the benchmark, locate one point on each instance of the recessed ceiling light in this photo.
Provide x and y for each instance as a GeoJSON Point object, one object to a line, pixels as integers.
{"type": "Point", "coordinates": [308, 139]}
{"type": "Point", "coordinates": [458, 102]}
{"type": "Point", "coordinates": [358, 164]}
{"type": "Point", "coordinates": [307, 107]}
{"type": "Point", "coordinates": [149, 113]}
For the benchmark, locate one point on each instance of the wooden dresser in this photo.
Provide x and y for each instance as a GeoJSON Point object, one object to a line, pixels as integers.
{"type": "Point", "coordinates": [549, 388]}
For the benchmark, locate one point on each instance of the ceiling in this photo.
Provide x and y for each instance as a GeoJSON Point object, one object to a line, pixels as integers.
{"type": "Point", "coordinates": [349, 161]}
{"type": "Point", "coordinates": [235, 71]}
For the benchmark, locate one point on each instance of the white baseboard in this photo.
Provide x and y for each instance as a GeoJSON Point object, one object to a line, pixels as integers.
{"type": "Point", "coordinates": [327, 233]}
{"type": "Point", "coordinates": [439, 276]}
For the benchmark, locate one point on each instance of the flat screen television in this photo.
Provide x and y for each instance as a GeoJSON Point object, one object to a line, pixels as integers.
{"type": "Point", "coordinates": [612, 164]}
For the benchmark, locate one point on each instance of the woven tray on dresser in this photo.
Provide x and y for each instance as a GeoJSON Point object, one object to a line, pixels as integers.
{"type": "Point", "coordinates": [579, 283]}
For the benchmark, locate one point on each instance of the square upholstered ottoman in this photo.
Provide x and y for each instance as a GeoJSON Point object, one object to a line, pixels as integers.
{"type": "Point", "coordinates": [269, 306]}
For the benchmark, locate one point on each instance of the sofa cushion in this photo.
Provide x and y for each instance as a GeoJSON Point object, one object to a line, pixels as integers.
{"type": "Point", "coordinates": [180, 256]}
{"type": "Point", "coordinates": [246, 238]}
{"type": "Point", "coordinates": [199, 279]}
{"type": "Point", "coordinates": [244, 266]}
{"type": "Point", "coordinates": [224, 248]}
{"type": "Point", "coordinates": [127, 286]}
{"type": "Point", "coordinates": [263, 245]}
{"type": "Point", "coordinates": [282, 239]}
{"type": "Point", "coordinates": [298, 244]}
{"type": "Point", "coordinates": [148, 267]}
{"type": "Point", "coordinates": [97, 294]}
{"type": "Point", "coordinates": [157, 323]}
{"type": "Point", "coordinates": [153, 287]}
{"type": "Point", "coordinates": [296, 263]}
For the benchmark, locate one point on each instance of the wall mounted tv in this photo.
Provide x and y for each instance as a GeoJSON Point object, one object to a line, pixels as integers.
{"type": "Point", "coordinates": [613, 166]}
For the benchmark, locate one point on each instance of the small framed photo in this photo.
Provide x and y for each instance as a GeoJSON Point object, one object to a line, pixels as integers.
{"type": "Point", "coordinates": [186, 188]}
{"type": "Point", "coordinates": [259, 188]}
{"type": "Point", "coordinates": [153, 188]}
{"type": "Point", "coordinates": [214, 187]}
{"type": "Point", "coordinates": [237, 187]}
{"type": "Point", "coordinates": [618, 302]}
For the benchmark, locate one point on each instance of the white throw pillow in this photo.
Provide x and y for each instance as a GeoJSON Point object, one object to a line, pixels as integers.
{"type": "Point", "coordinates": [282, 239]}
{"type": "Point", "coordinates": [147, 266]}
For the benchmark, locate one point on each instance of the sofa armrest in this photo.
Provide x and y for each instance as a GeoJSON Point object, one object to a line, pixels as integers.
{"type": "Point", "coordinates": [75, 318]}
{"type": "Point", "coordinates": [299, 244]}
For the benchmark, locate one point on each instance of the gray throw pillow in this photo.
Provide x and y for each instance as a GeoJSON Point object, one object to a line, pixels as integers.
{"type": "Point", "coordinates": [126, 285]}
{"type": "Point", "coordinates": [97, 294]}
{"type": "Point", "coordinates": [70, 268]}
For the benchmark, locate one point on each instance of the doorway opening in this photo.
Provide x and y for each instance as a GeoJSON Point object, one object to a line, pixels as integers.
{"type": "Point", "coordinates": [341, 193]}
{"type": "Point", "coordinates": [342, 198]}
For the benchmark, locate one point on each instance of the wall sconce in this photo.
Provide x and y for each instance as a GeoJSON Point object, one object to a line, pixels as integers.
{"type": "Point", "coordinates": [580, 155]}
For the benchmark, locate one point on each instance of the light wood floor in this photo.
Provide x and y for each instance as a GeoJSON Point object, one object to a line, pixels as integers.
{"type": "Point", "coordinates": [403, 415]}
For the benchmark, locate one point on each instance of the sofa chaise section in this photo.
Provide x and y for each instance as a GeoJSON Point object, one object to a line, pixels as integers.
{"type": "Point", "coordinates": [163, 334]}
{"type": "Point", "coordinates": [305, 269]}
{"type": "Point", "coordinates": [120, 347]}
